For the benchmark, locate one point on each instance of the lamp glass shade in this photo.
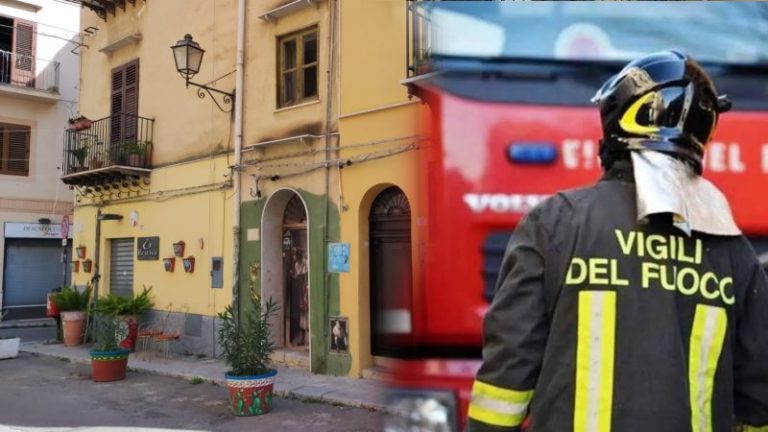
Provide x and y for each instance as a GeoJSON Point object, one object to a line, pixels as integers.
{"type": "Point", "coordinates": [188, 56]}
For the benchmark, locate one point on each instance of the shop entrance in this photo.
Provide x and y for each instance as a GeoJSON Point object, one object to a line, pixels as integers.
{"type": "Point", "coordinates": [285, 268]}
{"type": "Point", "coordinates": [295, 274]}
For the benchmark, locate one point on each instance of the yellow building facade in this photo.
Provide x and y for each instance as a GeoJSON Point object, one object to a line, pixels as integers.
{"type": "Point", "coordinates": [328, 169]}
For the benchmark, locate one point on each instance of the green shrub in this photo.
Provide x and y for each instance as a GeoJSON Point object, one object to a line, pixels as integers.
{"type": "Point", "coordinates": [247, 346]}
{"type": "Point", "coordinates": [115, 305]}
{"type": "Point", "coordinates": [106, 328]}
{"type": "Point", "coordinates": [71, 299]}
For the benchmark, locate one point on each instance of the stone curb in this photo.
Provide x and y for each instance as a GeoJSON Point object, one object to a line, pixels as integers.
{"type": "Point", "coordinates": [309, 392]}
{"type": "Point", "coordinates": [27, 324]}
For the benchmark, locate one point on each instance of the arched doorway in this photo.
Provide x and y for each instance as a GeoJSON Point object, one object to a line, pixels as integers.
{"type": "Point", "coordinates": [390, 272]}
{"type": "Point", "coordinates": [285, 267]}
{"type": "Point", "coordinates": [295, 274]}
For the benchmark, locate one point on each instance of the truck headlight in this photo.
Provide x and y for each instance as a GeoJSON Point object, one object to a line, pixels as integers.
{"type": "Point", "coordinates": [420, 411]}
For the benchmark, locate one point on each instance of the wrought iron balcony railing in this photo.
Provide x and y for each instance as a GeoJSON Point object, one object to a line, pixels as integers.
{"type": "Point", "coordinates": [122, 141]}
{"type": "Point", "coordinates": [29, 72]}
{"type": "Point", "coordinates": [418, 37]}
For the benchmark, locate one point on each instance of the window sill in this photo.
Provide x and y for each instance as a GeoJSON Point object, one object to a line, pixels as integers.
{"type": "Point", "coordinates": [300, 105]}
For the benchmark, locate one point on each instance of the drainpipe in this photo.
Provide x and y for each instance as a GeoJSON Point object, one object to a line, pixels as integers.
{"type": "Point", "coordinates": [238, 146]}
{"type": "Point", "coordinates": [330, 80]}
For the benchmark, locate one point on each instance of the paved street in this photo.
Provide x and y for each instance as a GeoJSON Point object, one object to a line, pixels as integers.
{"type": "Point", "coordinates": [47, 392]}
{"type": "Point", "coordinates": [30, 333]}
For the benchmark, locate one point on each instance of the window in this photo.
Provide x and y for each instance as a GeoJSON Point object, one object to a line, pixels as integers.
{"type": "Point", "coordinates": [297, 67]}
{"type": "Point", "coordinates": [14, 149]}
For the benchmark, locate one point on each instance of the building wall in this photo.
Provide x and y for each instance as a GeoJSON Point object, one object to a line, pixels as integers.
{"type": "Point", "coordinates": [40, 194]}
{"type": "Point", "coordinates": [186, 127]}
{"type": "Point", "coordinates": [375, 109]}
{"type": "Point", "coordinates": [189, 192]}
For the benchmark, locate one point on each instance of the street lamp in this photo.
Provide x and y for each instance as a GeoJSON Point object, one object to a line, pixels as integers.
{"type": "Point", "coordinates": [188, 57]}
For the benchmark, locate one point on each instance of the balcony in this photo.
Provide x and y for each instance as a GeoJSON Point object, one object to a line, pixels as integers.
{"type": "Point", "coordinates": [28, 76]}
{"type": "Point", "coordinates": [110, 150]}
{"type": "Point", "coordinates": [105, 7]}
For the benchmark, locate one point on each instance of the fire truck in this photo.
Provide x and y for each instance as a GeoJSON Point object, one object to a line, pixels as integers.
{"type": "Point", "coordinates": [507, 88]}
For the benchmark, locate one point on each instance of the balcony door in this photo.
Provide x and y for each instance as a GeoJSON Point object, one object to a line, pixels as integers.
{"type": "Point", "coordinates": [17, 52]}
{"type": "Point", "coordinates": [125, 103]}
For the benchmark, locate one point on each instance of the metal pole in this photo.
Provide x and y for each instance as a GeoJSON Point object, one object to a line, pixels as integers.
{"type": "Point", "coordinates": [238, 148]}
{"type": "Point", "coordinates": [97, 254]}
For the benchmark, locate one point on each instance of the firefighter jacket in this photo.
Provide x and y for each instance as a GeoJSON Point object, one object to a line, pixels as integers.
{"type": "Point", "coordinates": [601, 323]}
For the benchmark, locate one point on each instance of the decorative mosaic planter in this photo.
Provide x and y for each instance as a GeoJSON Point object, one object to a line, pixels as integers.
{"type": "Point", "coordinates": [250, 395]}
{"type": "Point", "coordinates": [109, 365]}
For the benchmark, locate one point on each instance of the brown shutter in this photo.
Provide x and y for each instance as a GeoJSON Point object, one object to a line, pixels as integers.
{"type": "Point", "coordinates": [18, 150]}
{"type": "Point", "coordinates": [115, 134]}
{"type": "Point", "coordinates": [24, 50]}
{"type": "Point", "coordinates": [131, 99]}
{"type": "Point", "coordinates": [125, 100]}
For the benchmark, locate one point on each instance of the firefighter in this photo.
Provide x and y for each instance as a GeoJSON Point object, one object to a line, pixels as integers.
{"type": "Point", "coordinates": [635, 304]}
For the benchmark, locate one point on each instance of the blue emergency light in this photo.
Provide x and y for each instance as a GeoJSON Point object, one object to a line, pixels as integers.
{"type": "Point", "coordinates": [532, 153]}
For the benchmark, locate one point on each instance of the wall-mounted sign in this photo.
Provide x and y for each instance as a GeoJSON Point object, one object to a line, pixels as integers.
{"type": "Point", "coordinates": [339, 336]}
{"type": "Point", "coordinates": [338, 257]}
{"type": "Point", "coordinates": [33, 230]}
{"type": "Point", "coordinates": [147, 248]}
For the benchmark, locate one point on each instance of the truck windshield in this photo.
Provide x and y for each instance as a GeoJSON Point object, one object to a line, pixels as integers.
{"type": "Point", "coordinates": [712, 32]}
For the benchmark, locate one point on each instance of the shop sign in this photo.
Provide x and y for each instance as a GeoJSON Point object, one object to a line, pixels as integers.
{"type": "Point", "coordinates": [147, 248]}
{"type": "Point", "coordinates": [32, 230]}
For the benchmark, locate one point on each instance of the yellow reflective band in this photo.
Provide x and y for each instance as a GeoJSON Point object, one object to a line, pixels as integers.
{"type": "Point", "coordinates": [498, 406]}
{"type": "Point", "coordinates": [748, 428]}
{"type": "Point", "coordinates": [709, 325]}
{"type": "Point", "coordinates": [628, 121]}
{"type": "Point", "coordinates": [595, 348]}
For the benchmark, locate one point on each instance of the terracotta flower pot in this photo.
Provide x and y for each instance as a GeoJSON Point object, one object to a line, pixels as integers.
{"type": "Point", "coordinates": [109, 365]}
{"type": "Point", "coordinates": [73, 323]}
{"type": "Point", "coordinates": [250, 395]}
{"type": "Point", "coordinates": [178, 248]}
{"type": "Point", "coordinates": [189, 264]}
{"type": "Point", "coordinates": [169, 264]}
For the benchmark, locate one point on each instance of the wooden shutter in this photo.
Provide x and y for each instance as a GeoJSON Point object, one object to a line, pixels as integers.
{"type": "Point", "coordinates": [24, 50]}
{"type": "Point", "coordinates": [14, 141]}
{"type": "Point", "coordinates": [124, 100]}
{"type": "Point", "coordinates": [115, 134]}
{"type": "Point", "coordinates": [131, 99]}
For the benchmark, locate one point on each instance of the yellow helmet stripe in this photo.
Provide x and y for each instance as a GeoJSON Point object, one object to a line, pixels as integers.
{"type": "Point", "coordinates": [628, 121]}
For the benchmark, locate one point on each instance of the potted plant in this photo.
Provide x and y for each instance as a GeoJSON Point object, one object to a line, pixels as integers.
{"type": "Point", "coordinates": [9, 346]}
{"type": "Point", "coordinates": [80, 154]}
{"type": "Point", "coordinates": [128, 310]}
{"type": "Point", "coordinates": [134, 152]}
{"type": "Point", "coordinates": [72, 305]}
{"type": "Point", "coordinates": [100, 157]}
{"type": "Point", "coordinates": [79, 123]}
{"type": "Point", "coordinates": [247, 346]}
{"type": "Point", "coordinates": [108, 361]}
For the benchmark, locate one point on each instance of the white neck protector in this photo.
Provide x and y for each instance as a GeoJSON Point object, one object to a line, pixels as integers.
{"type": "Point", "coordinates": [667, 185]}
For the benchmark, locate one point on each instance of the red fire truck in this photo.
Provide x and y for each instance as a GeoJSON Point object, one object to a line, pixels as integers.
{"type": "Point", "coordinates": [507, 86]}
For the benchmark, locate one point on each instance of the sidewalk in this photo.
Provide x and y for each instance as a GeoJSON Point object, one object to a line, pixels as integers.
{"type": "Point", "coordinates": [289, 382]}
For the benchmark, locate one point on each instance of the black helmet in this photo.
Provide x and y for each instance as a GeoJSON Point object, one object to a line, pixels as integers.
{"type": "Point", "coordinates": [664, 102]}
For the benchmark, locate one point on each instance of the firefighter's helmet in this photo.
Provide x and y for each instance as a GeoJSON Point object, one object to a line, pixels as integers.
{"type": "Point", "coordinates": [663, 101]}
